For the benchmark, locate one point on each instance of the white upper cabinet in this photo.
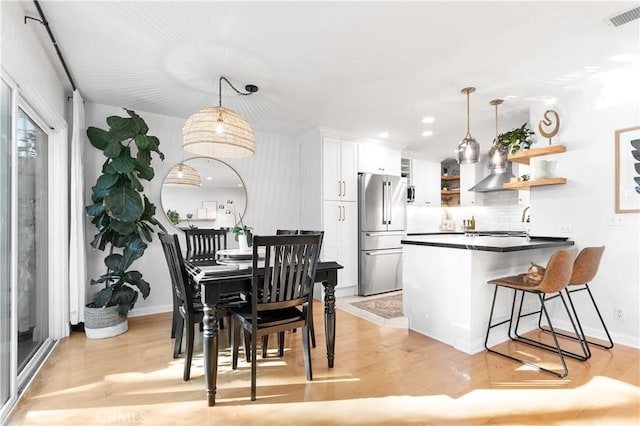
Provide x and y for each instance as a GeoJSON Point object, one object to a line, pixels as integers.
{"type": "Point", "coordinates": [340, 177]}
{"type": "Point", "coordinates": [426, 180]}
{"type": "Point", "coordinates": [379, 160]}
{"type": "Point", "coordinates": [470, 174]}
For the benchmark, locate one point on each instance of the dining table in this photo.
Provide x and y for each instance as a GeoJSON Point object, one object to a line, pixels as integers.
{"type": "Point", "coordinates": [232, 274]}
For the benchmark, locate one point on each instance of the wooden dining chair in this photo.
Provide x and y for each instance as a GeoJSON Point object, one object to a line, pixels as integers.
{"type": "Point", "coordinates": [279, 291]}
{"type": "Point", "coordinates": [309, 306]}
{"type": "Point", "coordinates": [202, 245]}
{"type": "Point", "coordinates": [556, 278]}
{"type": "Point", "coordinates": [190, 309]}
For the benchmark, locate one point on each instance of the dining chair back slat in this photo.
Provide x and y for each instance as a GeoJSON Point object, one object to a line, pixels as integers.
{"type": "Point", "coordinates": [202, 244]}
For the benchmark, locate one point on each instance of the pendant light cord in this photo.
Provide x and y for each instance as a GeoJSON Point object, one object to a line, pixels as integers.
{"type": "Point", "coordinates": [468, 132]}
{"type": "Point", "coordinates": [250, 89]}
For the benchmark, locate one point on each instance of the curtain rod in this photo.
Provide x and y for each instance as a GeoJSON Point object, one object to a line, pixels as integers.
{"type": "Point", "coordinates": [44, 22]}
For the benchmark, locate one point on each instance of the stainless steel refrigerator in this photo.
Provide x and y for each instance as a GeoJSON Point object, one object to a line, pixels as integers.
{"type": "Point", "coordinates": [381, 224]}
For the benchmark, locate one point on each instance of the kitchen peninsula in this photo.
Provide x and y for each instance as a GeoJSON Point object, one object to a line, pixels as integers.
{"type": "Point", "coordinates": [444, 282]}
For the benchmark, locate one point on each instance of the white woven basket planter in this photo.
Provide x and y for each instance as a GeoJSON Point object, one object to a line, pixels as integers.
{"type": "Point", "coordinates": [100, 323]}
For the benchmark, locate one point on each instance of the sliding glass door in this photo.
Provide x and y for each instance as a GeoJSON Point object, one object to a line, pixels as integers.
{"type": "Point", "coordinates": [6, 373]}
{"type": "Point", "coordinates": [24, 245]}
{"type": "Point", "coordinates": [33, 283]}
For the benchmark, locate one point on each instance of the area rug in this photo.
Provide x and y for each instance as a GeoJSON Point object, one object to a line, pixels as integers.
{"type": "Point", "coordinates": [386, 307]}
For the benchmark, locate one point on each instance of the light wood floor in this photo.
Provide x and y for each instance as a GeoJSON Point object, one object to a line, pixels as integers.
{"type": "Point", "coordinates": [381, 376]}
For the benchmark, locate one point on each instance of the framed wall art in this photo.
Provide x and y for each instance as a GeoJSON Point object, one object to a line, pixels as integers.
{"type": "Point", "coordinates": [628, 170]}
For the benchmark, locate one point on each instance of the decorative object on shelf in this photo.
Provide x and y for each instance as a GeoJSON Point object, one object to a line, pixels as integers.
{"type": "Point", "coordinates": [122, 214]}
{"type": "Point", "coordinates": [173, 216]}
{"type": "Point", "coordinates": [497, 153]}
{"type": "Point", "coordinates": [628, 170]}
{"type": "Point", "coordinates": [183, 176]}
{"type": "Point", "coordinates": [547, 122]}
{"type": "Point", "coordinates": [516, 139]}
{"type": "Point", "coordinates": [542, 169]}
{"type": "Point", "coordinates": [212, 209]}
{"type": "Point", "coordinates": [468, 148]}
{"type": "Point", "coordinates": [445, 186]}
{"type": "Point", "coordinates": [218, 131]}
{"type": "Point", "coordinates": [242, 233]}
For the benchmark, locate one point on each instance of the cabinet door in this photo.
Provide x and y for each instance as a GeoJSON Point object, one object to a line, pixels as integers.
{"type": "Point", "coordinates": [426, 179]}
{"type": "Point", "coordinates": [331, 218]}
{"type": "Point", "coordinates": [379, 160]}
{"type": "Point", "coordinates": [340, 242]}
{"type": "Point", "coordinates": [348, 250]}
{"type": "Point", "coordinates": [470, 174]}
{"type": "Point", "coordinates": [331, 181]}
{"type": "Point", "coordinates": [349, 170]}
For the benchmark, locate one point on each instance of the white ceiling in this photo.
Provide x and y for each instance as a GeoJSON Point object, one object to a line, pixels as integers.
{"type": "Point", "coordinates": [361, 67]}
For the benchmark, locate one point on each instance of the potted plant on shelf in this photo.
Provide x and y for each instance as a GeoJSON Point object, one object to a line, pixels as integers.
{"type": "Point", "coordinates": [124, 218]}
{"type": "Point", "coordinates": [515, 140]}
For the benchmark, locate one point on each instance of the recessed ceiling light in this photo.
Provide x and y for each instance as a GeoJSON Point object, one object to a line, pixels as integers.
{"type": "Point", "coordinates": [427, 133]}
{"type": "Point", "coordinates": [383, 135]}
{"type": "Point", "coordinates": [510, 97]}
{"type": "Point", "coordinates": [428, 119]}
{"type": "Point", "coordinates": [209, 178]}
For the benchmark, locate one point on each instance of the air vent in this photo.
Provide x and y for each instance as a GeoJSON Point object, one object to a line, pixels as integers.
{"type": "Point", "coordinates": [624, 17]}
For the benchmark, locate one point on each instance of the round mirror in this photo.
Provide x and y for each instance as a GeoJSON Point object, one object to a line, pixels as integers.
{"type": "Point", "coordinates": [203, 192]}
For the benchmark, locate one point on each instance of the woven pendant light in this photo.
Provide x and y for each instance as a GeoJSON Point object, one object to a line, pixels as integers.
{"type": "Point", "coordinates": [219, 132]}
{"type": "Point", "coordinates": [468, 148]}
{"type": "Point", "coordinates": [183, 176]}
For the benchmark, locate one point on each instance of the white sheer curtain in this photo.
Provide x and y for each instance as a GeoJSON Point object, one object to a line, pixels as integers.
{"type": "Point", "coordinates": [77, 243]}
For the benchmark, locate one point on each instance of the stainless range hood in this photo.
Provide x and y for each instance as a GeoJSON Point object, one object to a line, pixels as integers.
{"type": "Point", "coordinates": [499, 173]}
{"type": "Point", "coordinates": [494, 181]}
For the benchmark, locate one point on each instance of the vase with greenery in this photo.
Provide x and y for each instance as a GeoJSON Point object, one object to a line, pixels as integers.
{"type": "Point", "coordinates": [122, 214]}
{"type": "Point", "coordinates": [515, 140]}
{"type": "Point", "coordinates": [241, 232]}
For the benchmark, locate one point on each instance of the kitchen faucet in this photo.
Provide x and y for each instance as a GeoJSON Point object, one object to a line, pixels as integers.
{"type": "Point", "coordinates": [524, 214]}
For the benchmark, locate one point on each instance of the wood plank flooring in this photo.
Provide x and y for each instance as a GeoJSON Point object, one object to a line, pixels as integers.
{"type": "Point", "coordinates": [382, 376]}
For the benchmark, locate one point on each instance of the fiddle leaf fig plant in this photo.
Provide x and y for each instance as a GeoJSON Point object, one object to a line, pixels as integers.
{"type": "Point", "coordinates": [515, 140]}
{"type": "Point", "coordinates": [122, 214]}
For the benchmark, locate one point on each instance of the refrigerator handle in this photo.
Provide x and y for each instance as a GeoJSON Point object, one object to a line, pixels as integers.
{"type": "Point", "coordinates": [389, 209]}
{"type": "Point", "coordinates": [384, 202]}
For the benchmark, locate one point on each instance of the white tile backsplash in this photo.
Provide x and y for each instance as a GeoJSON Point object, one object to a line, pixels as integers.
{"type": "Point", "coordinates": [501, 212]}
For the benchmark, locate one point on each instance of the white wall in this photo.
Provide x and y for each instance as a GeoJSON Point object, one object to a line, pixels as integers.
{"type": "Point", "coordinates": [271, 179]}
{"type": "Point", "coordinates": [586, 203]}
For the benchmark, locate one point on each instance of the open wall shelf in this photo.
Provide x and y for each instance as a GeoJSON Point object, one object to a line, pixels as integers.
{"type": "Point", "coordinates": [538, 182]}
{"type": "Point", "coordinates": [524, 156]}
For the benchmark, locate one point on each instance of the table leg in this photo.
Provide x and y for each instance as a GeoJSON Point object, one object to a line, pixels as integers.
{"type": "Point", "coordinates": [210, 342]}
{"type": "Point", "coordinates": [330, 315]}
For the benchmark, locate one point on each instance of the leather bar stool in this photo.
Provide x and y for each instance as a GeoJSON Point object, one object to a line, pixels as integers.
{"type": "Point", "coordinates": [556, 278]}
{"type": "Point", "coordinates": [585, 269]}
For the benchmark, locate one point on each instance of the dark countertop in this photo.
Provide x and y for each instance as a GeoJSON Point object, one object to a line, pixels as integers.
{"type": "Point", "coordinates": [497, 243]}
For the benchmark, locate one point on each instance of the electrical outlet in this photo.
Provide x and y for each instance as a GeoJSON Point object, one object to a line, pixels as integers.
{"type": "Point", "coordinates": [618, 313]}
{"type": "Point", "coordinates": [616, 220]}
{"type": "Point", "coordinates": [566, 228]}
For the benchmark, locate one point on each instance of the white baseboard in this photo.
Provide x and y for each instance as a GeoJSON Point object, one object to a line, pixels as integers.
{"type": "Point", "coordinates": [598, 333]}
{"type": "Point", "coordinates": [140, 312]}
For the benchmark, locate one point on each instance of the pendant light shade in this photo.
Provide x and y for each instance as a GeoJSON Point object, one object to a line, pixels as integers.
{"type": "Point", "coordinates": [220, 132]}
{"type": "Point", "coordinates": [183, 176]}
{"type": "Point", "coordinates": [497, 155]}
{"type": "Point", "coordinates": [468, 148]}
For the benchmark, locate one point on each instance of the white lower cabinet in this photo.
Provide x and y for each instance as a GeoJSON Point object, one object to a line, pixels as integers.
{"type": "Point", "coordinates": [340, 242]}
